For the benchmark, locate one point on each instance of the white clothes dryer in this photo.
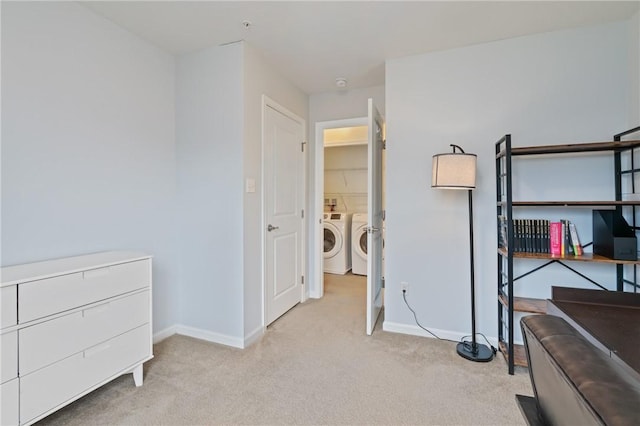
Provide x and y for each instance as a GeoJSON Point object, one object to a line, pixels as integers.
{"type": "Point", "coordinates": [359, 244]}
{"type": "Point", "coordinates": [337, 242]}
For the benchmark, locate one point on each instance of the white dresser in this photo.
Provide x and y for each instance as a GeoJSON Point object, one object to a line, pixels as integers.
{"type": "Point", "coordinates": [68, 326]}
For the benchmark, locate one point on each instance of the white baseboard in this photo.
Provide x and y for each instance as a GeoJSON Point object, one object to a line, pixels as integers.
{"type": "Point", "coordinates": [254, 336]}
{"type": "Point", "coordinates": [210, 336]}
{"type": "Point", "coordinates": [414, 330]}
{"type": "Point", "coordinates": [258, 333]}
{"type": "Point", "coordinates": [163, 334]}
{"type": "Point", "coordinates": [314, 294]}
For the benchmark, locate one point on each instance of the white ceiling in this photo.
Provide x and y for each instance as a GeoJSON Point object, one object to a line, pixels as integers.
{"type": "Point", "coordinates": [314, 42]}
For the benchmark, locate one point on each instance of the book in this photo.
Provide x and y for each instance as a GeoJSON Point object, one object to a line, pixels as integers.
{"type": "Point", "coordinates": [538, 226]}
{"type": "Point", "coordinates": [516, 235]}
{"type": "Point", "coordinates": [534, 236]}
{"type": "Point", "coordinates": [555, 238]}
{"type": "Point", "coordinates": [503, 241]}
{"type": "Point", "coordinates": [545, 238]}
{"type": "Point", "coordinates": [577, 247]}
{"type": "Point", "coordinates": [567, 245]}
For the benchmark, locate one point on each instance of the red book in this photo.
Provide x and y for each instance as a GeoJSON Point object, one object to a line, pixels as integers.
{"type": "Point", "coordinates": [555, 238]}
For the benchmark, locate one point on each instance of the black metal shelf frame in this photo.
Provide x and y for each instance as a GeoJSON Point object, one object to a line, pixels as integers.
{"type": "Point", "coordinates": [505, 204]}
{"type": "Point", "coordinates": [632, 171]}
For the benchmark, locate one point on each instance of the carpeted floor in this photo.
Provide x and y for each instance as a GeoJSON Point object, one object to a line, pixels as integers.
{"type": "Point", "coordinates": [315, 365]}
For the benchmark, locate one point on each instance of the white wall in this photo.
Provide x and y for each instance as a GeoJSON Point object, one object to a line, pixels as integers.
{"type": "Point", "coordinates": [345, 177]}
{"type": "Point", "coordinates": [219, 140]}
{"type": "Point", "coordinates": [551, 88]}
{"type": "Point", "coordinates": [88, 156]}
{"type": "Point", "coordinates": [260, 78]}
{"type": "Point", "coordinates": [99, 153]}
{"type": "Point", "coordinates": [209, 137]}
{"type": "Point", "coordinates": [341, 104]}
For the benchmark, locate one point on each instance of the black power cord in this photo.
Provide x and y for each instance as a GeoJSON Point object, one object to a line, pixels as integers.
{"type": "Point", "coordinates": [415, 317]}
{"type": "Point", "coordinates": [467, 344]}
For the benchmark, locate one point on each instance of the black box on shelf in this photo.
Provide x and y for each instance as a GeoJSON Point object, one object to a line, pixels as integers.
{"type": "Point", "coordinates": [613, 237]}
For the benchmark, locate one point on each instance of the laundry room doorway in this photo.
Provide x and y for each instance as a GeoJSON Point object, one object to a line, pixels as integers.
{"type": "Point", "coordinates": [349, 163]}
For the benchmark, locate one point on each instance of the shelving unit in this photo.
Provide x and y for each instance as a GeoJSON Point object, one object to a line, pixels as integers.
{"type": "Point", "coordinates": [508, 304]}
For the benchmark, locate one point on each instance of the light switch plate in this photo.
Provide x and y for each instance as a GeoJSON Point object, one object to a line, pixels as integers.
{"type": "Point", "coordinates": [250, 185]}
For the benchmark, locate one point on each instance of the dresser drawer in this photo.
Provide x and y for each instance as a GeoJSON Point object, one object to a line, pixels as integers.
{"type": "Point", "coordinates": [9, 394]}
{"type": "Point", "coordinates": [8, 306]}
{"type": "Point", "coordinates": [49, 296]}
{"type": "Point", "coordinates": [47, 342]}
{"type": "Point", "coordinates": [9, 356]}
{"type": "Point", "coordinates": [49, 387]}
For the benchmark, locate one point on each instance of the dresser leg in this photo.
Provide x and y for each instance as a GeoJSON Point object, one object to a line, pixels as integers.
{"type": "Point", "coordinates": [137, 375]}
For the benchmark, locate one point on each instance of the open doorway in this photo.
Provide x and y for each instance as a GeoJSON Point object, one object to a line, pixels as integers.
{"type": "Point", "coordinates": [356, 184]}
{"type": "Point", "coordinates": [349, 134]}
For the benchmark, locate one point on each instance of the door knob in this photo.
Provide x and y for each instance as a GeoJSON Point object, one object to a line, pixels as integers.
{"type": "Point", "coordinates": [272, 228]}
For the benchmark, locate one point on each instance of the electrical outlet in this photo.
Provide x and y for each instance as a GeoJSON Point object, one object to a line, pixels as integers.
{"type": "Point", "coordinates": [404, 286]}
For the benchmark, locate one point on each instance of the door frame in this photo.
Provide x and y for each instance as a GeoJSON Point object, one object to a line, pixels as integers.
{"type": "Point", "coordinates": [267, 102]}
{"type": "Point", "coordinates": [316, 288]}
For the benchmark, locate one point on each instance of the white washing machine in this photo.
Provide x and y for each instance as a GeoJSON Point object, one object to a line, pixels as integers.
{"type": "Point", "coordinates": [337, 242]}
{"type": "Point", "coordinates": [359, 244]}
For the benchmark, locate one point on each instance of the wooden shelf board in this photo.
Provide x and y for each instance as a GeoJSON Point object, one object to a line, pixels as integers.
{"type": "Point", "coordinates": [587, 257]}
{"type": "Point", "coordinates": [572, 148]}
{"type": "Point", "coordinates": [575, 147]}
{"type": "Point", "coordinates": [519, 354]}
{"type": "Point", "coordinates": [610, 203]}
{"type": "Point", "coordinates": [526, 304]}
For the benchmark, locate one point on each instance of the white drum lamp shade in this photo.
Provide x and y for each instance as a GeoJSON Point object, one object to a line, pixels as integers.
{"type": "Point", "coordinates": [454, 170]}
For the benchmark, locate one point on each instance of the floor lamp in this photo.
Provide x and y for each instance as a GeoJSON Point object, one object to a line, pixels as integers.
{"type": "Point", "coordinates": [457, 170]}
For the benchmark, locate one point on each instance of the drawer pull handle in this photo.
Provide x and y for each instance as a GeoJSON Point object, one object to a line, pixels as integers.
{"type": "Point", "coordinates": [95, 273]}
{"type": "Point", "coordinates": [96, 349]}
{"type": "Point", "coordinates": [95, 310]}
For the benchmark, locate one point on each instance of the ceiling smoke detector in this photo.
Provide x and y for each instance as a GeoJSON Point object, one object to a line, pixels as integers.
{"type": "Point", "coordinates": [341, 82]}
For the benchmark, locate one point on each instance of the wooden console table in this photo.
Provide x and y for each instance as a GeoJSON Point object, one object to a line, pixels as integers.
{"type": "Point", "coordinates": [609, 320]}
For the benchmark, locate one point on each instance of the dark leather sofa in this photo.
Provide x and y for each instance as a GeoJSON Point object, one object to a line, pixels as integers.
{"type": "Point", "coordinates": [574, 382]}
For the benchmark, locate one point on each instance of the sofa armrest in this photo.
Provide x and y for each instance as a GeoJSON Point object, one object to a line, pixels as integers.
{"type": "Point", "coordinates": [573, 381]}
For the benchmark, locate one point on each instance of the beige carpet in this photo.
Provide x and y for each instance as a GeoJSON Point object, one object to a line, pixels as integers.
{"type": "Point", "coordinates": [315, 365]}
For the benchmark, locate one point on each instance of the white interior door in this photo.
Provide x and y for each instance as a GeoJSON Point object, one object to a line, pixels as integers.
{"type": "Point", "coordinates": [284, 201]}
{"type": "Point", "coordinates": [375, 217]}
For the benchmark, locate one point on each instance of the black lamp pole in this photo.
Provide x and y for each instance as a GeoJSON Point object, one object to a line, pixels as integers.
{"type": "Point", "coordinates": [474, 352]}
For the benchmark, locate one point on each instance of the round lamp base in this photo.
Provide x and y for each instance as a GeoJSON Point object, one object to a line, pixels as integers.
{"type": "Point", "coordinates": [481, 353]}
